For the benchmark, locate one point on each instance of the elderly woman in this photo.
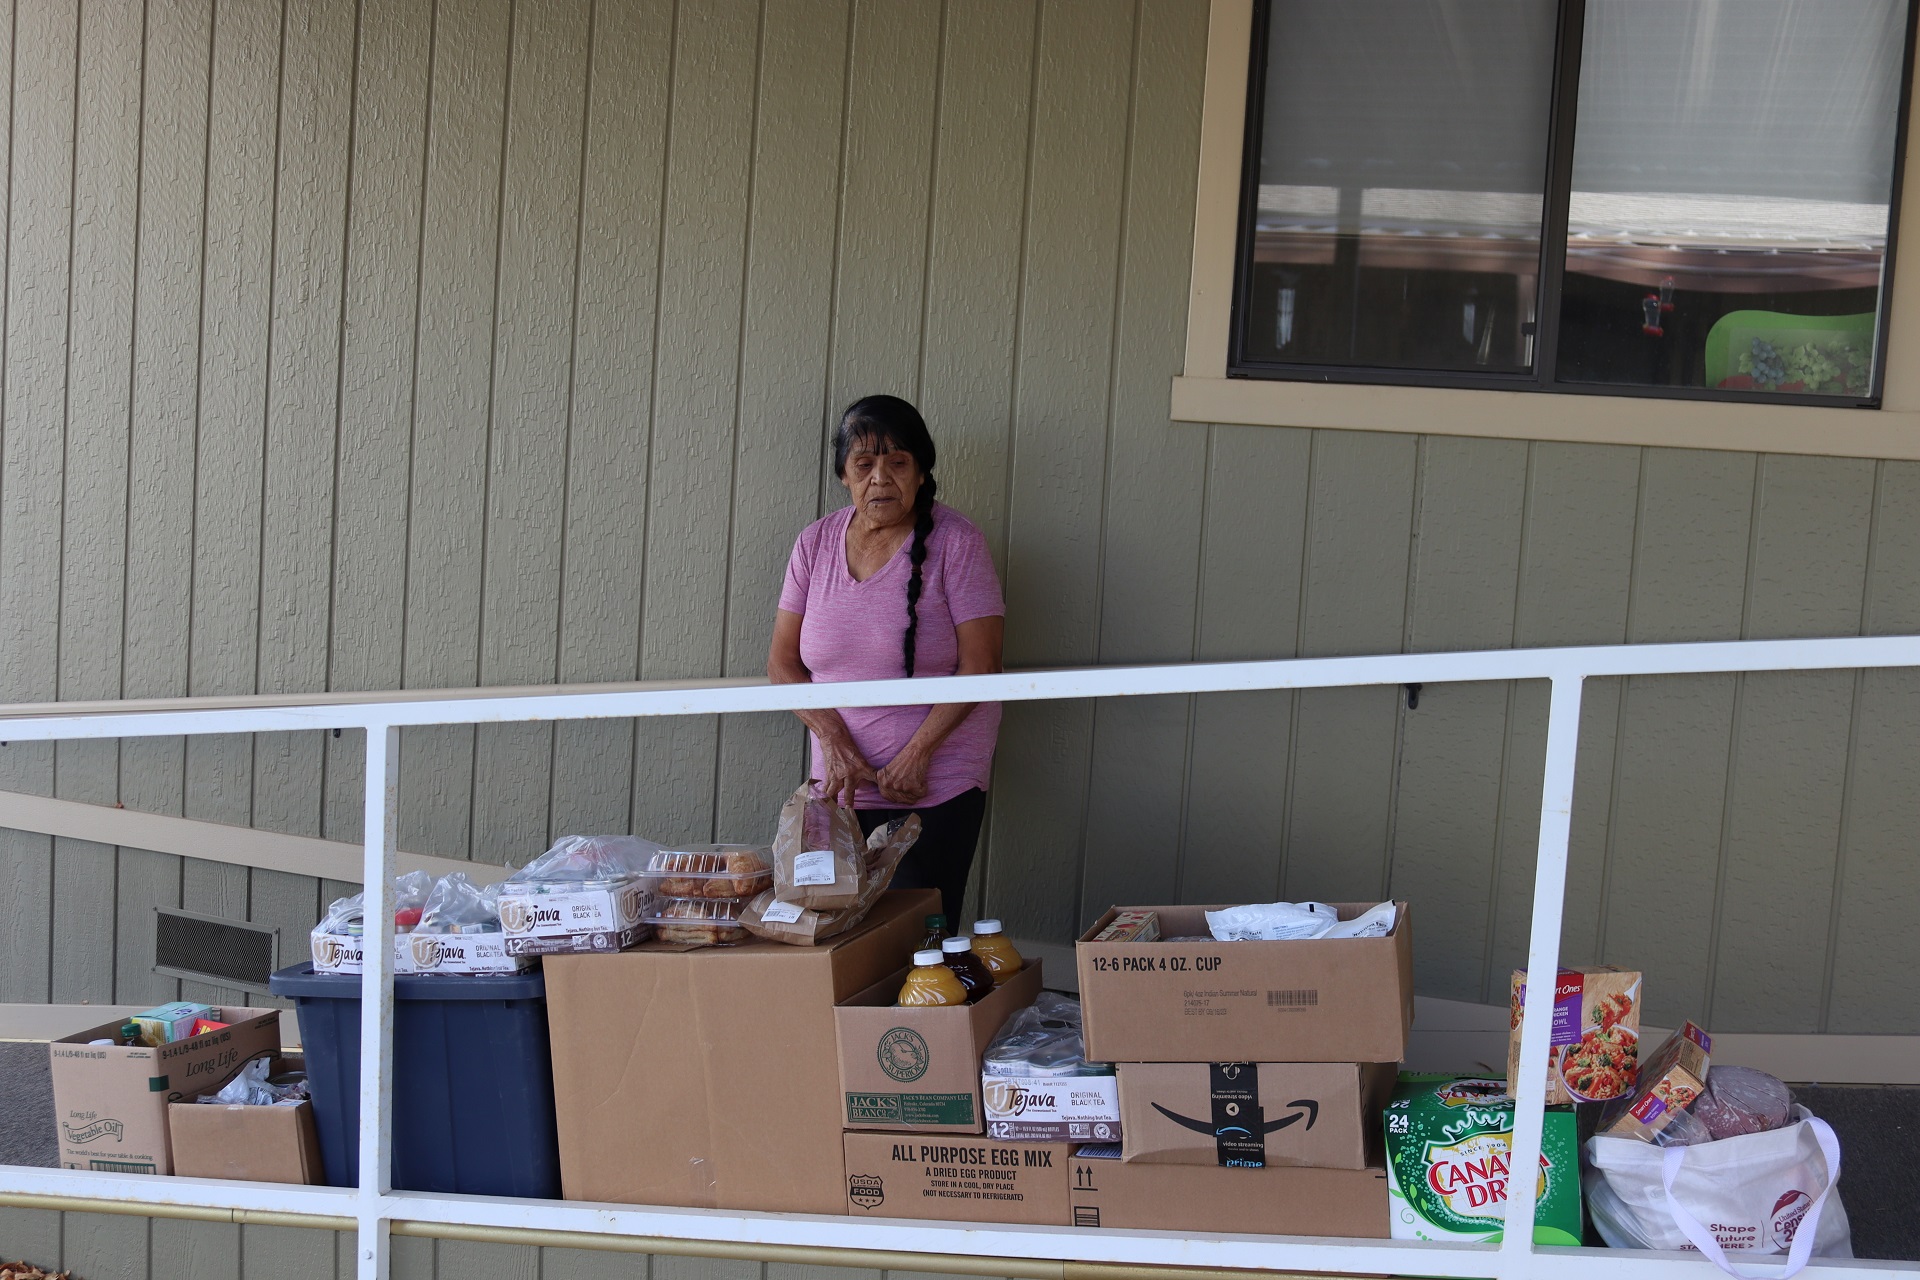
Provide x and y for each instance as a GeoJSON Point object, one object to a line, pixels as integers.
{"type": "Point", "coordinates": [896, 585]}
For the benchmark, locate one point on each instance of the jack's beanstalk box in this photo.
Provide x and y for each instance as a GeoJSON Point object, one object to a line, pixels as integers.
{"type": "Point", "coordinates": [1449, 1144]}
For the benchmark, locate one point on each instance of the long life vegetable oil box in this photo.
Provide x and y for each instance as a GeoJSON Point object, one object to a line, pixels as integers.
{"type": "Point", "coordinates": [1449, 1144]}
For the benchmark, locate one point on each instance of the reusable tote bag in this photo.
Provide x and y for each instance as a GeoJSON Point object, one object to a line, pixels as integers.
{"type": "Point", "coordinates": [1759, 1193]}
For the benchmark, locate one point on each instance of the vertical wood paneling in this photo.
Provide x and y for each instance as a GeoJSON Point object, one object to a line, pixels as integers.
{"type": "Point", "coordinates": [1877, 909]}
{"type": "Point", "coordinates": [32, 1235]}
{"type": "Point", "coordinates": [92, 606]}
{"type": "Point", "coordinates": [1360, 522]}
{"type": "Point", "coordinates": [39, 242]}
{"type": "Point", "coordinates": [302, 408]}
{"type": "Point", "coordinates": [1076, 186]}
{"type": "Point", "coordinates": [1807, 577]}
{"type": "Point", "coordinates": [1575, 573]}
{"type": "Point", "coordinates": [458, 230]}
{"type": "Point", "coordinates": [160, 466]}
{"type": "Point", "coordinates": [590, 1264]}
{"type": "Point", "coordinates": [696, 360]}
{"type": "Point", "coordinates": [464, 1260]}
{"type": "Point", "coordinates": [527, 432]}
{"type": "Point", "coordinates": [115, 1247]}
{"type": "Point", "coordinates": [272, 1252]}
{"type": "Point", "coordinates": [1252, 551]}
{"type": "Point", "coordinates": [1149, 590]}
{"type": "Point", "coordinates": [1465, 576]}
{"type": "Point", "coordinates": [1671, 755]}
{"type": "Point", "coordinates": [787, 320]}
{"type": "Point", "coordinates": [612, 378]}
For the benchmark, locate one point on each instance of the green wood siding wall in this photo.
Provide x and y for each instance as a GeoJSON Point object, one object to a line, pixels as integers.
{"type": "Point", "coordinates": [412, 345]}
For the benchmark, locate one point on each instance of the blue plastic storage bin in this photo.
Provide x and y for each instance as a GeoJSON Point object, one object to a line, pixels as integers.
{"type": "Point", "coordinates": [472, 1080]}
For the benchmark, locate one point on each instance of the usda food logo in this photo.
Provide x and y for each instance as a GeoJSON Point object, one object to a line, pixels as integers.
{"type": "Point", "coordinates": [904, 1055]}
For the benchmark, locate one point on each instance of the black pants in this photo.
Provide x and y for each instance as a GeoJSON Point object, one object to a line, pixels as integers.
{"type": "Point", "coordinates": [943, 855]}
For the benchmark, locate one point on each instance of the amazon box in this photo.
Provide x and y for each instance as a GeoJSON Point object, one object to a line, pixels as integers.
{"type": "Point", "coordinates": [918, 1069]}
{"type": "Point", "coordinates": [952, 1179]}
{"type": "Point", "coordinates": [247, 1143]}
{"type": "Point", "coordinates": [1313, 1000]}
{"type": "Point", "coordinates": [111, 1100]}
{"type": "Point", "coordinates": [1109, 1192]}
{"type": "Point", "coordinates": [1254, 1115]}
{"type": "Point", "coordinates": [710, 1078]}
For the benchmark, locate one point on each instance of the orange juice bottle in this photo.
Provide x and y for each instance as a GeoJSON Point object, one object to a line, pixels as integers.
{"type": "Point", "coordinates": [995, 951]}
{"type": "Point", "coordinates": [931, 982]}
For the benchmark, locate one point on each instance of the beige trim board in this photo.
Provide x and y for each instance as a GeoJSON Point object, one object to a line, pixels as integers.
{"type": "Point", "coordinates": [1204, 393]}
{"type": "Point", "coordinates": [214, 841]}
{"type": "Point", "coordinates": [1534, 415]}
{"type": "Point", "coordinates": [38, 1023]}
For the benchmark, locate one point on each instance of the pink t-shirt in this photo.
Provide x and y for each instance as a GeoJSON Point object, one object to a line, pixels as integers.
{"type": "Point", "coordinates": [853, 631]}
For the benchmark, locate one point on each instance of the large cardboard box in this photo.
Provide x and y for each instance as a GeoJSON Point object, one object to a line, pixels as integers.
{"type": "Point", "coordinates": [247, 1143]}
{"type": "Point", "coordinates": [1348, 1203]}
{"type": "Point", "coordinates": [710, 1078]}
{"type": "Point", "coordinates": [918, 1069]}
{"type": "Point", "coordinates": [1320, 1000]}
{"type": "Point", "coordinates": [111, 1100]}
{"type": "Point", "coordinates": [903, 1175]}
{"type": "Point", "coordinates": [1254, 1115]}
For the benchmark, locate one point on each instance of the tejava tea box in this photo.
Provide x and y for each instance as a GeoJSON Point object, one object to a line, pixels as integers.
{"type": "Point", "coordinates": [1052, 1108]}
{"type": "Point", "coordinates": [1254, 1115]}
{"type": "Point", "coordinates": [899, 1175]}
{"type": "Point", "coordinates": [1308, 1000]}
{"type": "Point", "coordinates": [918, 1069]}
{"type": "Point", "coordinates": [456, 954]}
{"type": "Point", "coordinates": [1594, 1047]}
{"type": "Point", "coordinates": [1449, 1147]}
{"type": "Point", "coordinates": [1106, 1192]}
{"type": "Point", "coordinates": [559, 917]}
{"type": "Point", "coordinates": [110, 1100]}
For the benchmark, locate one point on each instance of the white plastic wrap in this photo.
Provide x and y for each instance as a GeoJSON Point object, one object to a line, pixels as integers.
{"type": "Point", "coordinates": [1296, 921]}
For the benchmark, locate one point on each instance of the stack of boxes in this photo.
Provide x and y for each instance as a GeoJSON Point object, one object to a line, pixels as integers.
{"type": "Point", "coordinates": [1249, 1081]}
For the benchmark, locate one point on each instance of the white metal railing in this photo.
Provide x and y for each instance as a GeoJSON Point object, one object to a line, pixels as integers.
{"type": "Point", "coordinates": [373, 1207]}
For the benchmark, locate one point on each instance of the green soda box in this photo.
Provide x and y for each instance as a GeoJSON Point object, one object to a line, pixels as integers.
{"type": "Point", "coordinates": [1449, 1142]}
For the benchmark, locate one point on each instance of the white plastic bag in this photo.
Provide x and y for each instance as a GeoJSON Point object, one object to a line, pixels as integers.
{"type": "Point", "coordinates": [1759, 1193]}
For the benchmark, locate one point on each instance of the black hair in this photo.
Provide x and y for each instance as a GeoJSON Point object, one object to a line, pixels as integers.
{"type": "Point", "coordinates": [883, 424]}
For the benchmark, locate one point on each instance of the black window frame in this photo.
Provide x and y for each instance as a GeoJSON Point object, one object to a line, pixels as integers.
{"type": "Point", "coordinates": [1569, 33]}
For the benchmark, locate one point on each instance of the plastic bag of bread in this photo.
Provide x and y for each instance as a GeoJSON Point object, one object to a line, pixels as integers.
{"type": "Point", "coordinates": [698, 922]}
{"type": "Point", "coordinates": [767, 917]}
{"type": "Point", "coordinates": [710, 871]}
{"type": "Point", "coordinates": [819, 856]}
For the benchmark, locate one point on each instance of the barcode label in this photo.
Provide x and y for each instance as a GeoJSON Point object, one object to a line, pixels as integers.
{"type": "Point", "coordinates": [1296, 998]}
{"type": "Point", "coordinates": [121, 1166]}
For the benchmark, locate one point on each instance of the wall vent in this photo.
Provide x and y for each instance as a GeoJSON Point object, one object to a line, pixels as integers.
{"type": "Point", "coordinates": [229, 953]}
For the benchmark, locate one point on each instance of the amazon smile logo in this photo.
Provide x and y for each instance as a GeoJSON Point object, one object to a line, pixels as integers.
{"type": "Point", "coordinates": [1257, 1127]}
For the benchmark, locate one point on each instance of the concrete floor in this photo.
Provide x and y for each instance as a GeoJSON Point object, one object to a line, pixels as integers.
{"type": "Point", "coordinates": [1878, 1127]}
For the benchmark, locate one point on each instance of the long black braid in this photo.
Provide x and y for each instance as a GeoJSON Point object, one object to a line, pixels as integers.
{"type": "Point", "coordinates": [917, 555]}
{"type": "Point", "coordinates": [884, 423]}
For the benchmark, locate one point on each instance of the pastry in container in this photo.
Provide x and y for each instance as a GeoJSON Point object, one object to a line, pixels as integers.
{"type": "Point", "coordinates": [699, 922]}
{"type": "Point", "coordinates": [710, 871]}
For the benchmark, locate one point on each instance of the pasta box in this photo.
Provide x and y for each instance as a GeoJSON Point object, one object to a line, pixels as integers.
{"type": "Point", "coordinates": [1303, 1000]}
{"type": "Point", "coordinates": [1669, 1082]}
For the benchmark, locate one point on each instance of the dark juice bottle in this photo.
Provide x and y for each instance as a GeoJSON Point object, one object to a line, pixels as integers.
{"type": "Point", "coordinates": [969, 968]}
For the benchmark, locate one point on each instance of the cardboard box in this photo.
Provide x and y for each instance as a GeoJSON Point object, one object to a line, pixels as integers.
{"type": "Point", "coordinates": [918, 1069]}
{"type": "Point", "coordinates": [111, 1101]}
{"type": "Point", "coordinates": [1669, 1082]}
{"type": "Point", "coordinates": [246, 1143]}
{"type": "Point", "coordinates": [894, 1175]}
{"type": "Point", "coordinates": [1323, 1115]}
{"type": "Point", "coordinates": [711, 1078]}
{"type": "Point", "coordinates": [1318, 1000]}
{"type": "Point", "coordinates": [554, 919]}
{"type": "Point", "coordinates": [454, 954]}
{"type": "Point", "coordinates": [1594, 1045]}
{"type": "Point", "coordinates": [1350, 1203]}
{"type": "Point", "coordinates": [1052, 1108]}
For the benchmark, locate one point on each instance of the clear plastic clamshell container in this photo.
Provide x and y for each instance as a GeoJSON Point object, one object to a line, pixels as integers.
{"type": "Point", "coordinates": [711, 871]}
{"type": "Point", "coordinates": [701, 922]}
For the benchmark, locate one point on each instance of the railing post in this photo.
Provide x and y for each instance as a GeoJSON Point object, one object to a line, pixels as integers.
{"type": "Point", "coordinates": [376, 1002]}
{"type": "Point", "coordinates": [1543, 963]}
